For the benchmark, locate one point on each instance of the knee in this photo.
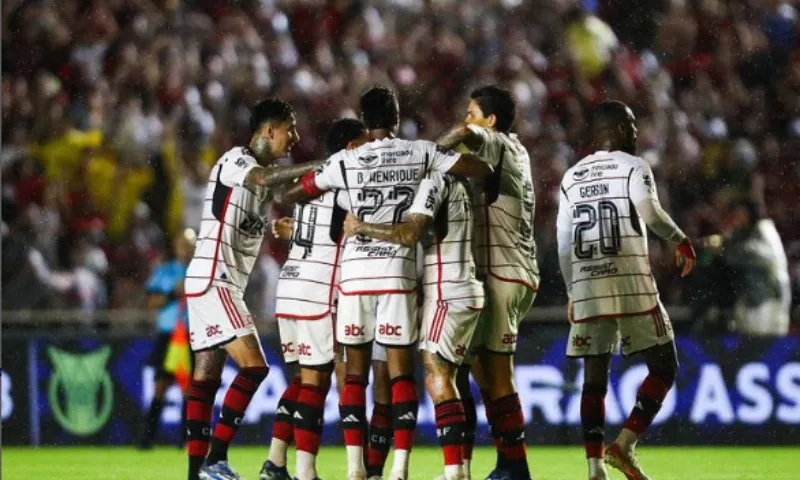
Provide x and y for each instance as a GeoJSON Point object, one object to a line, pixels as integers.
{"type": "Point", "coordinates": [435, 385]}
{"type": "Point", "coordinates": [667, 372]}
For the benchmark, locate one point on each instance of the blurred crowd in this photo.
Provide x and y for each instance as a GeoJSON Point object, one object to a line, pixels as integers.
{"type": "Point", "coordinates": [114, 111]}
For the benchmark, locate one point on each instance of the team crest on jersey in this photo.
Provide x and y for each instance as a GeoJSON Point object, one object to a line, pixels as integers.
{"type": "Point", "coordinates": [580, 174]}
{"type": "Point", "coordinates": [368, 160]}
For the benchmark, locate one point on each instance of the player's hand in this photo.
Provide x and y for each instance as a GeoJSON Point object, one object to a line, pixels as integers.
{"type": "Point", "coordinates": [685, 257]}
{"type": "Point", "coordinates": [351, 224]}
{"type": "Point", "coordinates": [282, 228]}
{"type": "Point", "coordinates": [570, 311]}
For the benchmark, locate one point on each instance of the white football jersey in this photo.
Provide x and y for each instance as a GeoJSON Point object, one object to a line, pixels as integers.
{"type": "Point", "coordinates": [381, 179]}
{"type": "Point", "coordinates": [605, 238]}
{"type": "Point", "coordinates": [449, 265]}
{"type": "Point", "coordinates": [504, 208]}
{"type": "Point", "coordinates": [308, 279]}
{"type": "Point", "coordinates": [232, 227]}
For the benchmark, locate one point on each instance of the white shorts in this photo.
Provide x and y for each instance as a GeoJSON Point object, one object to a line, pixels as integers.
{"type": "Point", "coordinates": [390, 319]}
{"type": "Point", "coordinates": [309, 342]}
{"type": "Point", "coordinates": [507, 303]}
{"type": "Point", "coordinates": [633, 333]}
{"type": "Point", "coordinates": [217, 317]}
{"type": "Point", "coordinates": [447, 328]}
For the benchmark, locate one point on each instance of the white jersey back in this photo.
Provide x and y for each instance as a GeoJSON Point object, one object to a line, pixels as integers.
{"type": "Point", "coordinates": [449, 266]}
{"type": "Point", "coordinates": [504, 209]}
{"type": "Point", "coordinates": [381, 179]}
{"type": "Point", "coordinates": [232, 227]}
{"type": "Point", "coordinates": [611, 273]}
{"type": "Point", "coordinates": [309, 277]}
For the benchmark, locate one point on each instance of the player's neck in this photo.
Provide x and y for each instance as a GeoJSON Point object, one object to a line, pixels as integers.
{"type": "Point", "coordinates": [262, 153]}
{"type": "Point", "coordinates": [380, 133]}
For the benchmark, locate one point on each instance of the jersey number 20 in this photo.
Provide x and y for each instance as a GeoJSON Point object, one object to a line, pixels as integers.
{"type": "Point", "coordinates": [608, 225]}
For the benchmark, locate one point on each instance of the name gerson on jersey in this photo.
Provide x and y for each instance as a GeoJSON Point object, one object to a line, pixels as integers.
{"type": "Point", "coordinates": [449, 272]}
{"type": "Point", "coordinates": [232, 227]}
{"type": "Point", "coordinates": [306, 289]}
{"type": "Point", "coordinates": [381, 179]}
{"type": "Point", "coordinates": [504, 209]}
{"type": "Point", "coordinates": [605, 236]}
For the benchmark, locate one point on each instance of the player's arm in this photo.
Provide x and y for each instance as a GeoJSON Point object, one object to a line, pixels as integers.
{"type": "Point", "coordinates": [328, 176]}
{"type": "Point", "coordinates": [407, 233]}
{"type": "Point", "coordinates": [564, 237]}
{"type": "Point", "coordinates": [426, 203]}
{"type": "Point", "coordinates": [644, 196]}
{"type": "Point", "coordinates": [461, 134]}
{"type": "Point", "coordinates": [278, 174]}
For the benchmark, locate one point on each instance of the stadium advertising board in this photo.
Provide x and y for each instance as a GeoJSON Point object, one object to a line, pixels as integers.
{"type": "Point", "coordinates": [731, 390]}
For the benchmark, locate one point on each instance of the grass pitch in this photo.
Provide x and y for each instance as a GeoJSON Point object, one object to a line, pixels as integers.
{"type": "Point", "coordinates": [547, 463]}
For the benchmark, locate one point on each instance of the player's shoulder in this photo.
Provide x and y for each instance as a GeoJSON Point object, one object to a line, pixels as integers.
{"type": "Point", "coordinates": [601, 160]}
{"type": "Point", "coordinates": [242, 156]}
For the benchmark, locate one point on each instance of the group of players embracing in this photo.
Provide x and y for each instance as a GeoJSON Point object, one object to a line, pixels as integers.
{"type": "Point", "coordinates": [399, 245]}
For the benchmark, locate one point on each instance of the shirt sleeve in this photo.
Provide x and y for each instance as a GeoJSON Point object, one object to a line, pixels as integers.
{"type": "Point", "coordinates": [343, 200]}
{"type": "Point", "coordinates": [157, 284]}
{"type": "Point", "coordinates": [429, 196]}
{"type": "Point", "coordinates": [489, 146]}
{"type": "Point", "coordinates": [331, 175]}
{"type": "Point", "coordinates": [643, 194]}
{"type": "Point", "coordinates": [440, 159]}
{"type": "Point", "coordinates": [233, 170]}
{"type": "Point", "coordinates": [564, 236]}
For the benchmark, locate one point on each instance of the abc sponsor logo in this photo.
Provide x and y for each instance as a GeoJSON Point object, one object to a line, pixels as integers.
{"type": "Point", "coordinates": [287, 347]}
{"type": "Point", "coordinates": [213, 330]}
{"type": "Point", "coordinates": [509, 339]}
{"type": "Point", "coordinates": [579, 341]}
{"type": "Point", "coordinates": [389, 330]}
{"type": "Point", "coordinates": [353, 331]}
{"type": "Point", "coordinates": [304, 350]}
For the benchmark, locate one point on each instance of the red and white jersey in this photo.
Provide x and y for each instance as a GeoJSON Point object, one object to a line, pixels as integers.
{"type": "Point", "coordinates": [308, 280]}
{"type": "Point", "coordinates": [604, 210]}
{"type": "Point", "coordinates": [381, 179]}
{"type": "Point", "coordinates": [232, 227]}
{"type": "Point", "coordinates": [504, 208]}
{"type": "Point", "coordinates": [449, 265]}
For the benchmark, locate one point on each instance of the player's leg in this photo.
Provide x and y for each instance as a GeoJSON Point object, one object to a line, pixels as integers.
{"type": "Point", "coordinates": [652, 336]}
{"type": "Point", "coordinates": [316, 361]}
{"type": "Point", "coordinates": [207, 335]}
{"type": "Point", "coordinates": [163, 380]}
{"type": "Point", "coordinates": [206, 378]}
{"type": "Point", "coordinates": [510, 302]}
{"type": "Point", "coordinates": [398, 331]}
{"type": "Point", "coordinates": [470, 414]}
{"type": "Point", "coordinates": [355, 329]}
{"type": "Point", "coordinates": [245, 350]}
{"type": "Point", "coordinates": [283, 429]}
{"type": "Point", "coordinates": [380, 423]}
{"type": "Point", "coordinates": [594, 342]}
{"type": "Point", "coordinates": [447, 331]}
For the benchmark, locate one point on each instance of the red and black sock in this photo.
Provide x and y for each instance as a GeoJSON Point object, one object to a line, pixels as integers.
{"type": "Point", "coordinates": [353, 411]}
{"type": "Point", "coordinates": [405, 404]}
{"type": "Point", "coordinates": [237, 398]}
{"type": "Point", "coordinates": [509, 426]}
{"type": "Point", "coordinates": [593, 419]}
{"type": "Point", "coordinates": [648, 402]}
{"type": "Point", "coordinates": [470, 424]}
{"type": "Point", "coordinates": [309, 418]}
{"type": "Point", "coordinates": [283, 429]}
{"type": "Point", "coordinates": [491, 417]}
{"type": "Point", "coordinates": [199, 406]}
{"type": "Point", "coordinates": [450, 424]}
{"type": "Point", "coordinates": [380, 439]}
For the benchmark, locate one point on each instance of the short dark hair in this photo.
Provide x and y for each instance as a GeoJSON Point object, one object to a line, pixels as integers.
{"type": "Point", "coordinates": [269, 110]}
{"type": "Point", "coordinates": [379, 108]}
{"type": "Point", "coordinates": [609, 114]}
{"type": "Point", "coordinates": [496, 101]}
{"type": "Point", "coordinates": [343, 132]}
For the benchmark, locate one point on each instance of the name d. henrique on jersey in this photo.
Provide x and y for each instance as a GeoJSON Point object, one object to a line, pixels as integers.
{"type": "Point", "coordinates": [607, 201]}
{"type": "Point", "coordinates": [504, 208]}
{"type": "Point", "coordinates": [232, 228]}
{"type": "Point", "coordinates": [381, 179]}
{"type": "Point", "coordinates": [309, 276]}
